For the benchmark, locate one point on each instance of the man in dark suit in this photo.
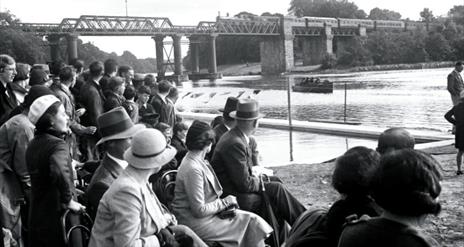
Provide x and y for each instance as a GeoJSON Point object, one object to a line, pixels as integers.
{"type": "Point", "coordinates": [7, 97]}
{"type": "Point", "coordinates": [92, 98]}
{"type": "Point", "coordinates": [232, 161]}
{"type": "Point", "coordinates": [164, 108]}
{"type": "Point", "coordinates": [455, 83]}
{"type": "Point", "coordinates": [116, 129]}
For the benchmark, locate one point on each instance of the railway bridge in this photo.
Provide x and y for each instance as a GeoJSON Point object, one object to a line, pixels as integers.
{"type": "Point", "coordinates": [277, 35]}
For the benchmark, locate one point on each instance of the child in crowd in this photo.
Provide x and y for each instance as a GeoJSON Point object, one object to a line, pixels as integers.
{"type": "Point", "coordinates": [456, 117]}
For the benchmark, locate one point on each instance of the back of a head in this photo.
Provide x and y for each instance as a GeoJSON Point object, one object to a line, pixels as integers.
{"type": "Point", "coordinates": [149, 80]}
{"type": "Point", "coordinates": [178, 127]}
{"type": "Point", "coordinates": [129, 93]}
{"type": "Point", "coordinates": [199, 136]}
{"type": "Point", "coordinates": [395, 139]}
{"type": "Point", "coordinates": [56, 66]}
{"type": "Point", "coordinates": [67, 74]}
{"type": "Point", "coordinates": [144, 90]}
{"type": "Point", "coordinates": [173, 93]}
{"type": "Point", "coordinates": [38, 76]}
{"type": "Point", "coordinates": [111, 66]}
{"type": "Point", "coordinates": [407, 183]}
{"type": "Point", "coordinates": [164, 86]}
{"type": "Point", "coordinates": [115, 83]}
{"type": "Point", "coordinates": [78, 65]}
{"type": "Point", "coordinates": [22, 72]}
{"type": "Point", "coordinates": [123, 69]}
{"type": "Point", "coordinates": [96, 69]}
{"type": "Point", "coordinates": [354, 169]}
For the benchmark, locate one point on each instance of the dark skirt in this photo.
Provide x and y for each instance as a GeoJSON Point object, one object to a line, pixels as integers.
{"type": "Point", "coordinates": [459, 138]}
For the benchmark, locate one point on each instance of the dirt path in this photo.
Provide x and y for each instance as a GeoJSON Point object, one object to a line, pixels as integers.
{"type": "Point", "coordinates": [311, 184]}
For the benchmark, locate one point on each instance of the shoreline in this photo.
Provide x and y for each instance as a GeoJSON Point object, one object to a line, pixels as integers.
{"type": "Point", "coordinates": [255, 68]}
{"type": "Point", "coordinates": [311, 184]}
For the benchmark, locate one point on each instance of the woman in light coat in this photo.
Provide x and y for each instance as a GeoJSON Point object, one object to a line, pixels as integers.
{"type": "Point", "coordinates": [197, 198]}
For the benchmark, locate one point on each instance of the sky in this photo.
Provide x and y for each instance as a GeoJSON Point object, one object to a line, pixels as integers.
{"type": "Point", "coordinates": [184, 12]}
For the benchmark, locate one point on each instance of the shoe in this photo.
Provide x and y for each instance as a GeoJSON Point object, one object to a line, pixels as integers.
{"type": "Point", "coordinates": [459, 173]}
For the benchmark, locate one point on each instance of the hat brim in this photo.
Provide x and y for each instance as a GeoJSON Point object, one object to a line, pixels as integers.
{"type": "Point", "coordinates": [149, 163]}
{"type": "Point", "coordinates": [234, 115]}
{"type": "Point", "coordinates": [122, 135]}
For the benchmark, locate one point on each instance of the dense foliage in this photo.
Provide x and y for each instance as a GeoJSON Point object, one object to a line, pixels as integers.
{"type": "Point", "coordinates": [31, 49]}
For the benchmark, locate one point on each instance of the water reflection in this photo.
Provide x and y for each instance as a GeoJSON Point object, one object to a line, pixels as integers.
{"type": "Point", "coordinates": [413, 99]}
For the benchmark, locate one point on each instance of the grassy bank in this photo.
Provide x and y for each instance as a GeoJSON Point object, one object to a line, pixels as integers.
{"type": "Point", "coordinates": [255, 68]}
{"type": "Point", "coordinates": [311, 184]}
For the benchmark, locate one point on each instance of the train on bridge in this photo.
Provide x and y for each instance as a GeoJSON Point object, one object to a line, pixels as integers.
{"type": "Point", "coordinates": [367, 23]}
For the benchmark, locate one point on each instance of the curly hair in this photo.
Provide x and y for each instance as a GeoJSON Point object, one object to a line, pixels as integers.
{"type": "Point", "coordinates": [407, 183]}
{"type": "Point", "coordinates": [353, 170]}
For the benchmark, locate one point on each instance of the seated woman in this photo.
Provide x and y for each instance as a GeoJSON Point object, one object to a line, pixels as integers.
{"type": "Point", "coordinates": [406, 185]}
{"type": "Point", "coordinates": [351, 178]}
{"type": "Point", "coordinates": [129, 213]}
{"type": "Point", "coordinates": [197, 201]}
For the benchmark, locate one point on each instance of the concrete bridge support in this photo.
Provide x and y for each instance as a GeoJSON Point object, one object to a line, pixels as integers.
{"type": "Point", "coordinates": [54, 43]}
{"type": "Point", "coordinates": [177, 55]}
{"type": "Point", "coordinates": [195, 54]}
{"type": "Point", "coordinates": [316, 48]}
{"type": "Point", "coordinates": [159, 54]}
{"type": "Point", "coordinates": [212, 54]}
{"type": "Point", "coordinates": [71, 40]}
{"type": "Point", "coordinates": [277, 52]}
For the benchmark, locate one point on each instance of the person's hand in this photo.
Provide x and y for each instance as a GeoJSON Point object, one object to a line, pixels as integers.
{"type": "Point", "coordinates": [75, 206]}
{"type": "Point", "coordinates": [90, 130]}
{"type": "Point", "coordinates": [80, 112]}
{"type": "Point", "coordinates": [230, 201]}
{"type": "Point", "coordinates": [167, 238]}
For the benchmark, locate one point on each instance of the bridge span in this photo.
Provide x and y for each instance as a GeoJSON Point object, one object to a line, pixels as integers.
{"type": "Point", "coordinates": [277, 35]}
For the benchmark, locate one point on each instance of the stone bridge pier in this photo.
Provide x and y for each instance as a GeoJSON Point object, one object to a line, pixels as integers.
{"type": "Point", "coordinates": [277, 51]}
{"type": "Point", "coordinates": [316, 48]}
{"type": "Point", "coordinates": [55, 50]}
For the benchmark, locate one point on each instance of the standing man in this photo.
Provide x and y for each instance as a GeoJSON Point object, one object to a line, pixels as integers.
{"type": "Point", "coordinates": [162, 106]}
{"type": "Point", "coordinates": [92, 98]}
{"type": "Point", "coordinates": [232, 161]}
{"type": "Point", "coordinates": [111, 68]}
{"type": "Point", "coordinates": [7, 97]}
{"type": "Point", "coordinates": [455, 85]}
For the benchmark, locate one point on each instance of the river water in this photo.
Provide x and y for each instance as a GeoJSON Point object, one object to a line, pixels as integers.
{"type": "Point", "coordinates": [415, 99]}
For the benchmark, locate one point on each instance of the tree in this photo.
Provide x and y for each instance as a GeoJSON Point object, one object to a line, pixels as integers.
{"type": "Point", "coordinates": [356, 54]}
{"type": "Point", "coordinates": [438, 47]}
{"type": "Point", "coordinates": [384, 14]}
{"type": "Point", "coordinates": [427, 15]}
{"type": "Point", "coordinates": [457, 14]}
{"type": "Point", "coordinates": [326, 8]}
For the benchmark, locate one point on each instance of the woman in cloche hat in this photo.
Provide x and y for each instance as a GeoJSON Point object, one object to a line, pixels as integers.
{"type": "Point", "coordinates": [49, 164]}
{"type": "Point", "coordinates": [129, 213]}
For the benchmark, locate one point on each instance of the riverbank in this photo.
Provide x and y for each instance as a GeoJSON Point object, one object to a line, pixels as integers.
{"type": "Point", "coordinates": [311, 184]}
{"type": "Point", "coordinates": [255, 68]}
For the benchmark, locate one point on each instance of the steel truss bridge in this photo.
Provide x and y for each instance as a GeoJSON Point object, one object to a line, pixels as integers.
{"type": "Point", "coordinates": [93, 25]}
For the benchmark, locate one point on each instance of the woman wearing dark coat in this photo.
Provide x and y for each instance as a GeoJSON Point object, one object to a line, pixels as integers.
{"type": "Point", "coordinates": [49, 163]}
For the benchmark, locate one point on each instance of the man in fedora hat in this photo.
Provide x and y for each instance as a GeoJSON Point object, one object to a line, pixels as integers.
{"type": "Point", "coordinates": [232, 161]}
{"type": "Point", "coordinates": [116, 129]}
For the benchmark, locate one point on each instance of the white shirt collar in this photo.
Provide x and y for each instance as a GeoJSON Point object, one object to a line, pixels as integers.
{"type": "Point", "coordinates": [163, 97]}
{"type": "Point", "coordinates": [121, 163]}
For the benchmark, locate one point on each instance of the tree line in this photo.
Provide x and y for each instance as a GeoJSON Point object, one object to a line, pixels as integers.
{"type": "Point", "coordinates": [28, 48]}
{"type": "Point", "coordinates": [444, 42]}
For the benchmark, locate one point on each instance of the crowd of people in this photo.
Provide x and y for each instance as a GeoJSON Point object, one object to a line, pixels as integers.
{"type": "Point", "coordinates": [56, 119]}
